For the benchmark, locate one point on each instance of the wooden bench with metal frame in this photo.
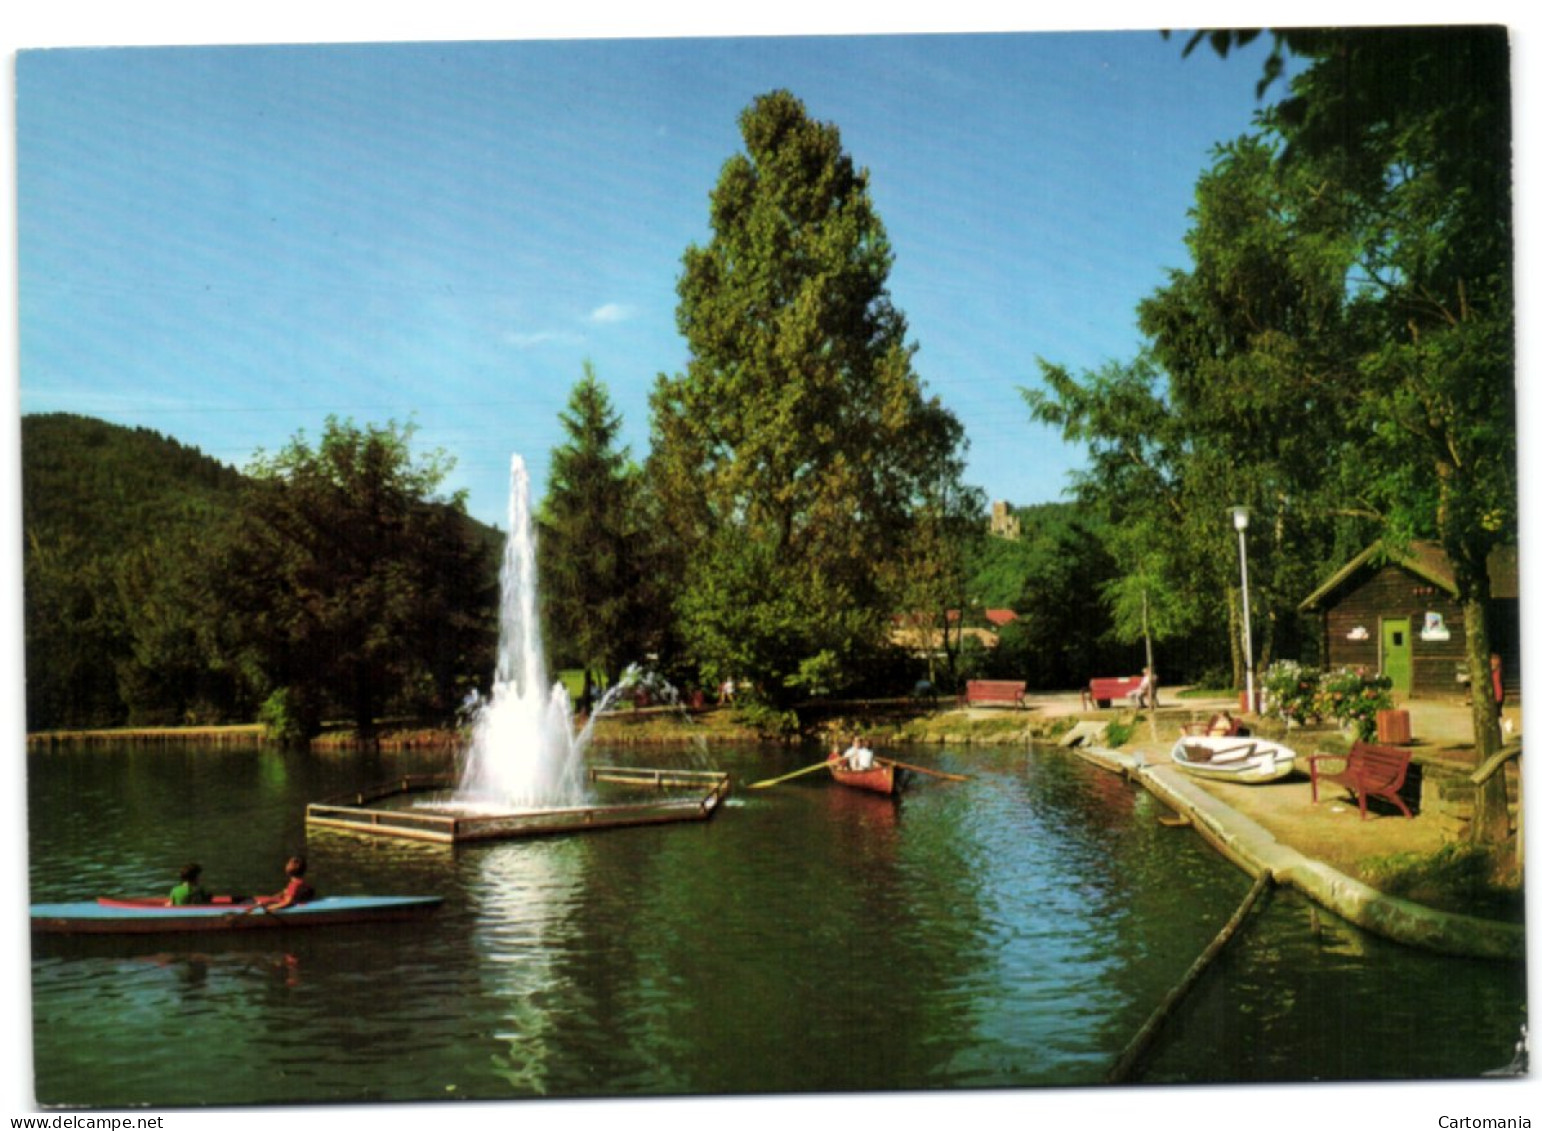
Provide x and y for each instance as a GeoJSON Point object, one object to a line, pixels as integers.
{"type": "Point", "coordinates": [1103, 691]}
{"type": "Point", "coordinates": [1369, 771]}
{"type": "Point", "coordinates": [1008, 692]}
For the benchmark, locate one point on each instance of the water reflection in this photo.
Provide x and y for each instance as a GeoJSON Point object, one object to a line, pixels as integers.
{"type": "Point", "coordinates": [1378, 1010]}
{"type": "Point", "coordinates": [521, 899]}
{"type": "Point", "coordinates": [1009, 931]}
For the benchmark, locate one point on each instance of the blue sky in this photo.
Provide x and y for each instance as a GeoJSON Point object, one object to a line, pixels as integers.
{"type": "Point", "coordinates": [227, 244]}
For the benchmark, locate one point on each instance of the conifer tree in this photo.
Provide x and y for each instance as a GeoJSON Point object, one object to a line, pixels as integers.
{"type": "Point", "coordinates": [791, 455]}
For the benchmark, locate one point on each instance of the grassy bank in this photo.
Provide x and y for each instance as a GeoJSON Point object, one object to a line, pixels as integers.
{"type": "Point", "coordinates": [881, 721]}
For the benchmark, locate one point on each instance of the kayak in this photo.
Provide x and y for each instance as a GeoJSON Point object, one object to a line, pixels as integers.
{"type": "Point", "coordinates": [143, 901]}
{"type": "Point", "coordinates": [111, 916]}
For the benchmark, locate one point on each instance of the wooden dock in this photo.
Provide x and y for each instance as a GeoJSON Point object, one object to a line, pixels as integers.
{"type": "Point", "coordinates": [360, 811]}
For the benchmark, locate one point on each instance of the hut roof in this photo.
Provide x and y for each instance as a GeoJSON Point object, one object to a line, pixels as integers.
{"type": "Point", "coordinates": [1426, 560]}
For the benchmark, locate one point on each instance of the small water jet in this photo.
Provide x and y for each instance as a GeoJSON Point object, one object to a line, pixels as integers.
{"type": "Point", "coordinates": [523, 771]}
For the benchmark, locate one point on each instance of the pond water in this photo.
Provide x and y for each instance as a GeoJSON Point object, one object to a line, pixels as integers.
{"type": "Point", "coordinates": [1008, 932]}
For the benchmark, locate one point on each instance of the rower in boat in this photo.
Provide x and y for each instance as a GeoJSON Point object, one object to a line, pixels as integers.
{"type": "Point", "coordinates": [859, 756]}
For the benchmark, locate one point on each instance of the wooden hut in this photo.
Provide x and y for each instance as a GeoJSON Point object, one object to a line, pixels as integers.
{"type": "Point", "coordinates": [1395, 612]}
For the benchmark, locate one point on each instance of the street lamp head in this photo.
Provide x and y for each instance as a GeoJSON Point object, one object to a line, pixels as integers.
{"type": "Point", "coordinates": [1239, 517]}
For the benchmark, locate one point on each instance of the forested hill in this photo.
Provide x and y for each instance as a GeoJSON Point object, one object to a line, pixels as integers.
{"type": "Point", "coordinates": [161, 589]}
{"type": "Point", "coordinates": [108, 516]}
{"type": "Point", "coordinates": [111, 487]}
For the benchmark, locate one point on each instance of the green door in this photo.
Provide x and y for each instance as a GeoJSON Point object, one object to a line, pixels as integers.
{"type": "Point", "coordinates": [1397, 654]}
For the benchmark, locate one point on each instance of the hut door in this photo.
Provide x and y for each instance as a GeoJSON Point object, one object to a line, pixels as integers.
{"type": "Point", "coordinates": [1397, 654]}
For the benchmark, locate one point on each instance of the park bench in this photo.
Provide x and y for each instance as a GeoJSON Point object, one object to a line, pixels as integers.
{"type": "Point", "coordinates": [1369, 771]}
{"type": "Point", "coordinates": [1104, 690]}
{"type": "Point", "coordinates": [1009, 692]}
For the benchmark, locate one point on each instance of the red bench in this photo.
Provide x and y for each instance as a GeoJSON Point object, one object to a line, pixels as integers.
{"type": "Point", "coordinates": [1009, 692]}
{"type": "Point", "coordinates": [1369, 771]}
{"type": "Point", "coordinates": [1103, 691]}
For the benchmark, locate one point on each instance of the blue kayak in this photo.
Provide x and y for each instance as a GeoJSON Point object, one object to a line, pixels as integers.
{"type": "Point", "coordinates": [147, 916]}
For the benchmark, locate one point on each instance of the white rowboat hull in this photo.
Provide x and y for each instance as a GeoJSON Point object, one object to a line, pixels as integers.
{"type": "Point", "coordinates": [1237, 758]}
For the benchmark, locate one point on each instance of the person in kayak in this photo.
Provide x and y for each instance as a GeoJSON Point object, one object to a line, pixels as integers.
{"type": "Point", "coordinates": [189, 890]}
{"type": "Point", "coordinates": [297, 890]}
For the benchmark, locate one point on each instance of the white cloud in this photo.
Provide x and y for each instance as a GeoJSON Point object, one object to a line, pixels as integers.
{"type": "Point", "coordinates": [611, 312]}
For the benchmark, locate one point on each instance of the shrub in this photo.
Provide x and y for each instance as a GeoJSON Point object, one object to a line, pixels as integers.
{"type": "Point", "coordinates": [1213, 678]}
{"type": "Point", "coordinates": [288, 718]}
{"type": "Point", "coordinates": [1118, 733]}
{"type": "Point", "coordinates": [1352, 697]}
{"type": "Point", "coordinates": [767, 720]}
{"type": "Point", "coordinates": [1349, 696]}
{"type": "Point", "coordinates": [1291, 690]}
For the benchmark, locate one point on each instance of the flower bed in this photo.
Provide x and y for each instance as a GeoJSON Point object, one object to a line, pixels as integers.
{"type": "Point", "coordinates": [1350, 697]}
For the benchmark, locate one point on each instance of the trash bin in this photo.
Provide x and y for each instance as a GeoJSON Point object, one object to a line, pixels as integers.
{"type": "Point", "coordinates": [1393, 728]}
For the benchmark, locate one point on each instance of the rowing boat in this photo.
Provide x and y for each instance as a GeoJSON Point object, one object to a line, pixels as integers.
{"type": "Point", "coordinates": [124, 916]}
{"type": "Point", "coordinates": [1237, 758]}
{"type": "Point", "coordinates": [882, 777]}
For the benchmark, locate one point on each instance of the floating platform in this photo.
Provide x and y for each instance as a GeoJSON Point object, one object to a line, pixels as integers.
{"type": "Point", "coordinates": [381, 810]}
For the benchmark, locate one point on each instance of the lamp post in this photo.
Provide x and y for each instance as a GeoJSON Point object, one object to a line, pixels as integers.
{"type": "Point", "coordinates": [1239, 519]}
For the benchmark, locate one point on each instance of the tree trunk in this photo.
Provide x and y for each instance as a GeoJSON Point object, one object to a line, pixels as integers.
{"type": "Point", "coordinates": [1491, 813]}
{"type": "Point", "coordinates": [1234, 636]}
{"type": "Point", "coordinates": [1145, 628]}
{"type": "Point", "coordinates": [364, 703]}
{"type": "Point", "coordinates": [1491, 806]}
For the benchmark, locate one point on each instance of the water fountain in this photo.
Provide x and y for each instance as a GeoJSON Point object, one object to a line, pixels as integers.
{"type": "Point", "coordinates": [524, 771]}
{"type": "Point", "coordinates": [523, 750]}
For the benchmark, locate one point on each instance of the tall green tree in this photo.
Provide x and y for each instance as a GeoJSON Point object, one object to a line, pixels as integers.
{"type": "Point", "coordinates": [74, 635]}
{"type": "Point", "coordinates": [171, 672]}
{"type": "Point", "coordinates": [1415, 126]}
{"type": "Point", "coordinates": [791, 456]}
{"type": "Point", "coordinates": [1053, 576]}
{"type": "Point", "coordinates": [1409, 132]}
{"type": "Point", "coordinates": [596, 581]}
{"type": "Point", "coordinates": [1137, 484]}
{"type": "Point", "coordinates": [932, 571]}
{"type": "Point", "coordinates": [1256, 347]}
{"type": "Point", "coordinates": [1340, 355]}
{"type": "Point", "coordinates": [350, 582]}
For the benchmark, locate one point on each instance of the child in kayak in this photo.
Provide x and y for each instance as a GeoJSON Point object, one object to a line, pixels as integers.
{"type": "Point", "coordinates": [189, 891]}
{"type": "Point", "coordinates": [297, 890]}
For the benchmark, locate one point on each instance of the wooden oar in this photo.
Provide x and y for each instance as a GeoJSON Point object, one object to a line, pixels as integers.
{"type": "Point", "coordinates": [257, 905]}
{"type": "Point", "coordinates": [788, 777]}
{"type": "Point", "coordinates": [922, 769]}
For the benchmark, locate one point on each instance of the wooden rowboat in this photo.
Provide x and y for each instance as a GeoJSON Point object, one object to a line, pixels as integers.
{"type": "Point", "coordinates": [883, 777]}
{"type": "Point", "coordinates": [1235, 758]}
{"type": "Point", "coordinates": [152, 916]}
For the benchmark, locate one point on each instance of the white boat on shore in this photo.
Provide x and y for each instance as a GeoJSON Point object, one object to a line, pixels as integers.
{"type": "Point", "coordinates": [1234, 757]}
